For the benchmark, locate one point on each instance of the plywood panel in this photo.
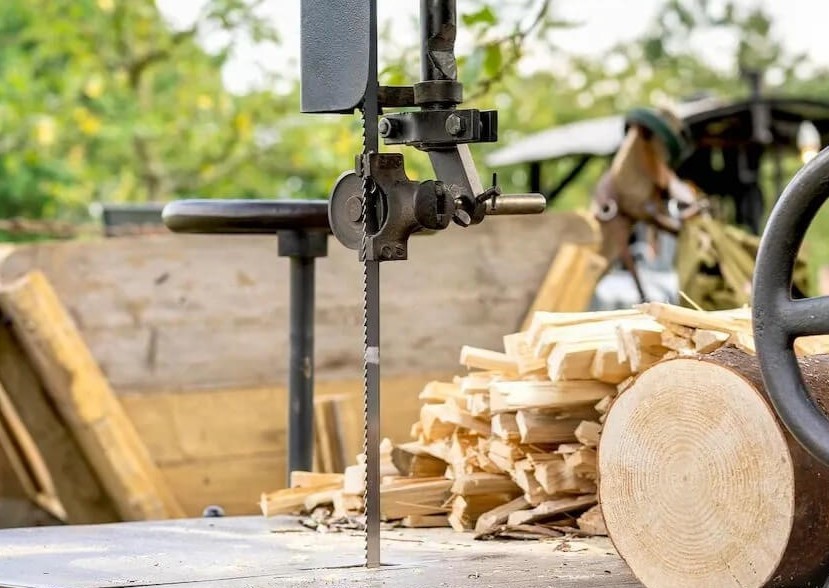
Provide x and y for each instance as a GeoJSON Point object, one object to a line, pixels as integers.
{"type": "Point", "coordinates": [209, 424]}
{"type": "Point", "coordinates": [182, 311]}
{"type": "Point", "coordinates": [234, 483]}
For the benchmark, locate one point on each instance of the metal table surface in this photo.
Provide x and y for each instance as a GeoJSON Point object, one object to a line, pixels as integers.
{"type": "Point", "coordinates": [251, 552]}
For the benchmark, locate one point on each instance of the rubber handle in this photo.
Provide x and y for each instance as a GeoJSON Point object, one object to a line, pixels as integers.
{"type": "Point", "coordinates": [245, 216]}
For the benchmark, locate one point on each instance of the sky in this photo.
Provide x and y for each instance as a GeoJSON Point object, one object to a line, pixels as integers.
{"type": "Point", "coordinates": [602, 23]}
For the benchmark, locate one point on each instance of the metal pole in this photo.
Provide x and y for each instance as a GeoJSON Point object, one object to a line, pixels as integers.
{"type": "Point", "coordinates": [302, 247]}
{"type": "Point", "coordinates": [438, 26]}
{"type": "Point", "coordinates": [301, 370]}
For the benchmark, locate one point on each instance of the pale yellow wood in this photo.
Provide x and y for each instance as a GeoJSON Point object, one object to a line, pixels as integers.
{"type": "Point", "coordinates": [315, 479]}
{"type": "Point", "coordinates": [573, 360]}
{"type": "Point", "coordinates": [518, 348]}
{"type": "Point", "coordinates": [86, 401]}
{"type": "Point", "coordinates": [697, 480]}
{"type": "Point", "coordinates": [482, 483]}
{"type": "Point", "coordinates": [414, 498]}
{"type": "Point", "coordinates": [592, 522]}
{"type": "Point", "coordinates": [484, 359]}
{"type": "Point", "coordinates": [467, 509]}
{"type": "Point", "coordinates": [513, 396]}
{"type": "Point", "coordinates": [291, 500]}
{"type": "Point", "coordinates": [569, 283]}
{"type": "Point", "coordinates": [551, 509]}
{"type": "Point", "coordinates": [556, 479]}
{"type": "Point", "coordinates": [606, 366]}
{"type": "Point", "coordinates": [505, 427]}
{"type": "Point", "coordinates": [540, 428]}
{"type": "Point", "coordinates": [706, 340]}
{"type": "Point", "coordinates": [588, 433]}
{"type": "Point", "coordinates": [439, 392]}
{"type": "Point", "coordinates": [425, 521]}
{"type": "Point", "coordinates": [499, 514]}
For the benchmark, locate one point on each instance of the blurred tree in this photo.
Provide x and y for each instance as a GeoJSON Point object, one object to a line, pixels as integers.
{"type": "Point", "coordinates": [101, 100]}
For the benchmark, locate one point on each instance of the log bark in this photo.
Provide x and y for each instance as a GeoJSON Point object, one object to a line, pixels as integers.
{"type": "Point", "coordinates": [701, 485]}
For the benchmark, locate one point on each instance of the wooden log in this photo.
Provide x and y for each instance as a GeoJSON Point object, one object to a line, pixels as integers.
{"type": "Point", "coordinates": [86, 402]}
{"type": "Point", "coordinates": [700, 484]}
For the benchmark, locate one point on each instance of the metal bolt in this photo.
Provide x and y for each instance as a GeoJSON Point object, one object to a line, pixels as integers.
{"type": "Point", "coordinates": [386, 252]}
{"type": "Point", "coordinates": [462, 218]}
{"type": "Point", "coordinates": [454, 125]}
{"type": "Point", "coordinates": [399, 251]}
{"type": "Point", "coordinates": [354, 209]}
{"type": "Point", "coordinates": [384, 127]}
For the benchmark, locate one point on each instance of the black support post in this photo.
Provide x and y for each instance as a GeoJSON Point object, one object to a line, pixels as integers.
{"type": "Point", "coordinates": [302, 247]}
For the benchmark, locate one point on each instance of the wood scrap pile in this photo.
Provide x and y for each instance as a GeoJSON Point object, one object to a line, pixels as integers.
{"type": "Point", "coordinates": [510, 447]}
{"type": "Point", "coordinates": [715, 264]}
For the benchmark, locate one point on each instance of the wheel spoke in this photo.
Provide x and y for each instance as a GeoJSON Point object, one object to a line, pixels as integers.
{"type": "Point", "coordinates": [809, 316]}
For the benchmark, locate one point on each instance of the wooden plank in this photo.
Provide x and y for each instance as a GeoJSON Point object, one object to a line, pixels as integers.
{"type": "Point", "coordinates": [329, 441]}
{"type": "Point", "coordinates": [79, 490]}
{"type": "Point", "coordinates": [513, 396]}
{"type": "Point", "coordinates": [25, 460]}
{"type": "Point", "coordinates": [499, 515]}
{"type": "Point", "coordinates": [208, 424]}
{"type": "Point", "coordinates": [551, 509]}
{"type": "Point", "coordinates": [539, 428]}
{"type": "Point", "coordinates": [569, 283]}
{"type": "Point", "coordinates": [234, 483]}
{"type": "Point", "coordinates": [85, 400]}
{"type": "Point", "coordinates": [141, 302]}
{"type": "Point", "coordinates": [485, 359]}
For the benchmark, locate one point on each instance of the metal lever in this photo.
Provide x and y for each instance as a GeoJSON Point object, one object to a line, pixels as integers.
{"type": "Point", "coordinates": [302, 228]}
{"type": "Point", "coordinates": [516, 204]}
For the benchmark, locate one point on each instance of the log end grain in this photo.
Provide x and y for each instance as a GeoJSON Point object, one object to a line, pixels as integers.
{"type": "Point", "coordinates": [697, 481]}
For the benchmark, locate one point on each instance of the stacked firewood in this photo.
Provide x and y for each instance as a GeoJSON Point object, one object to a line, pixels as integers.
{"type": "Point", "coordinates": [510, 447]}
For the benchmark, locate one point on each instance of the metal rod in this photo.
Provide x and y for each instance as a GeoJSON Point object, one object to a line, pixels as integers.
{"type": "Point", "coordinates": [301, 369]}
{"type": "Point", "coordinates": [438, 27]}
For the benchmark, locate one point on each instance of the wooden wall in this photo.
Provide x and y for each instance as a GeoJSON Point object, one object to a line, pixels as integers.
{"type": "Point", "coordinates": [192, 333]}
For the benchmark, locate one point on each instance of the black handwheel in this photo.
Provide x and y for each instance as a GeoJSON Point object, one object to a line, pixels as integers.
{"type": "Point", "coordinates": [779, 319]}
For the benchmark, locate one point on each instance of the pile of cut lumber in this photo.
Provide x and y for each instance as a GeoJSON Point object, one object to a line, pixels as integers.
{"type": "Point", "coordinates": [510, 447]}
{"type": "Point", "coordinates": [715, 263]}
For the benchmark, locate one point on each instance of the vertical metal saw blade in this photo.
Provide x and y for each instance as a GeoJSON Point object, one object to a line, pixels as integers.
{"type": "Point", "coordinates": [371, 310]}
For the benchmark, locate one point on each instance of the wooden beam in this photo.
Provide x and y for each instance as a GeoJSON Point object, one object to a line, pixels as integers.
{"type": "Point", "coordinates": [81, 493]}
{"type": "Point", "coordinates": [85, 400]}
